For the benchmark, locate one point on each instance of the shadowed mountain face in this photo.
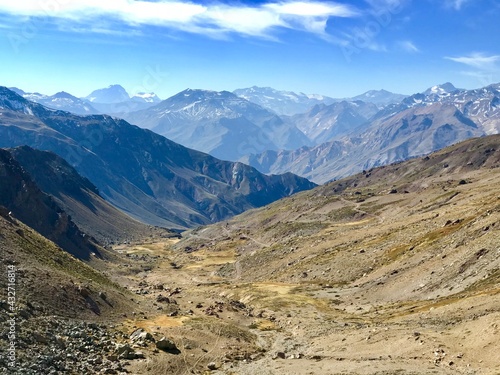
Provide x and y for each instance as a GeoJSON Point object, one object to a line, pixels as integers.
{"type": "Point", "coordinates": [79, 197]}
{"type": "Point", "coordinates": [146, 175]}
{"type": "Point", "coordinates": [219, 123]}
{"type": "Point", "coordinates": [20, 195]}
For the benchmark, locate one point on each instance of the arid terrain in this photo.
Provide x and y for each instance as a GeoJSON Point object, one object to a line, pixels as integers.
{"type": "Point", "coordinates": [391, 271]}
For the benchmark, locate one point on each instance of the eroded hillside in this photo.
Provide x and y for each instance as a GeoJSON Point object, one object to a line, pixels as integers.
{"type": "Point", "coordinates": [395, 270]}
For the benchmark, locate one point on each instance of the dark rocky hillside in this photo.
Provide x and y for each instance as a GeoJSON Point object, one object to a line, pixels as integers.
{"type": "Point", "coordinates": [26, 202]}
{"type": "Point", "coordinates": [81, 199]}
{"type": "Point", "coordinates": [144, 174]}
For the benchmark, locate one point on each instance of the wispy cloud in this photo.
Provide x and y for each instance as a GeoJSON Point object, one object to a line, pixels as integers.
{"type": "Point", "coordinates": [484, 68]}
{"type": "Point", "coordinates": [213, 19]}
{"type": "Point", "coordinates": [408, 46]}
{"type": "Point", "coordinates": [478, 60]}
{"type": "Point", "coordinates": [455, 4]}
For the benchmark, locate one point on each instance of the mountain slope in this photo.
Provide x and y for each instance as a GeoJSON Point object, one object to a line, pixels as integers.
{"type": "Point", "coordinates": [61, 101]}
{"type": "Point", "coordinates": [115, 100]}
{"type": "Point", "coordinates": [290, 104]}
{"type": "Point", "coordinates": [110, 94]}
{"type": "Point", "coordinates": [322, 123]}
{"type": "Point", "coordinates": [219, 123]}
{"type": "Point", "coordinates": [445, 88]}
{"type": "Point", "coordinates": [20, 195]}
{"type": "Point", "coordinates": [389, 268]}
{"type": "Point", "coordinates": [144, 174]}
{"type": "Point", "coordinates": [50, 281]}
{"type": "Point", "coordinates": [80, 198]}
{"type": "Point", "coordinates": [380, 98]}
{"type": "Point", "coordinates": [282, 102]}
{"type": "Point", "coordinates": [418, 125]}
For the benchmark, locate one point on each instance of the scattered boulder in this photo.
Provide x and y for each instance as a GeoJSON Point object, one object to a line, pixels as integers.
{"type": "Point", "coordinates": [124, 351]}
{"type": "Point", "coordinates": [140, 336]}
{"type": "Point", "coordinates": [84, 292]}
{"type": "Point", "coordinates": [280, 355]}
{"type": "Point", "coordinates": [162, 299]}
{"type": "Point", "coordinates": [165, 344]}
{"type": "Point", "coordinates": [212, 366]}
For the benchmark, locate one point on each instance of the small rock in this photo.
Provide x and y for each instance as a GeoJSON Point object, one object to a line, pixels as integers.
{"type": "Point", "coordinates": [139, 355]}
{"type": "Point", "coordinates": [141, 336]}
{"type": "Point", "coordinates": [124, 351]}
{"type": "Point", "coordinates": [277, 355]}
{"type": "Point", "coordinates": [165, 344]}
{"type": "Point", "coordinates": [212, 366]}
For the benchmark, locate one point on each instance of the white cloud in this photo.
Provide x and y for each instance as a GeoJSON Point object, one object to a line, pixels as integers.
{"type": "Point", "coordinates": [211, 19]}
{"type": "Point", "coordinates": [478, 60]}
{"type": "Point", "coordinates": [408, 46]}
{"type": "Point", "coordinates": [456, 4]}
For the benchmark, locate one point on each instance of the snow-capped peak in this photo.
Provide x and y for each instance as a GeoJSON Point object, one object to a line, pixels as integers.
{"type": "Point", "coordinates": [445, 88]}
{"type": "Point", "coordinates": [148, 97]}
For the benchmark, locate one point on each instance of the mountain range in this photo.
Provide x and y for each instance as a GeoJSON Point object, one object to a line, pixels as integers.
{"type": "Point", "coordinates": [282, 102]}
{"type": "Point", "coordinates": [226, 125]}
{"type": "Point", "coordinates": [290, 103]}
{"type": "Point", "coordinates": [61, 101]}
{"type": "Point", "coordinates": [326, 142]}
{"type": "Point", "coordinates": [111, 100]}
{"type": "Point", "coordinates": [115, 100]}
{"type": "Point", "coordinates": [219, 123]}
{"type": "Point", "coordinates": [142, 173]}
{"type": "Point", "coordinates": [416, 126]}
{"type": "Point", "coordinates": [323, 123]}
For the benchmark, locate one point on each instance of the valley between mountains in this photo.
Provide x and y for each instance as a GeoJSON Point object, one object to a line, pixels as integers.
{"type": "Point", "coordinates": [395, 270]}
{"type": "Point", "coordinates": [129, 253]}
{"type": "Point", "coordinates": [391, 271]}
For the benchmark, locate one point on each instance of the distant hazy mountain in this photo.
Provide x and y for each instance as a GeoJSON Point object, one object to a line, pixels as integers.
{"type": "Point", "coordinates": [144, 174]}
{"type": "Point", "coordinates": [146, 97]}
{"type": "Point", "coordinates": [417, 126]}
{"type": "Point", "coordinates": [61, 101]}
{"type": "Point", "coordinates": [110, 94]}
{"type": "Point", "coordinates": [324, 122]}
{"type": "Point", "coordinates": [115, 100]}
{"type": "Point", "coordinates": [282, 102]}
{"type": "Point", "coordinates": [379, 97]}
{"type": "Point", "coordinates": [219, 123]}
{"type": "Point", "coordinates": [289, 103]}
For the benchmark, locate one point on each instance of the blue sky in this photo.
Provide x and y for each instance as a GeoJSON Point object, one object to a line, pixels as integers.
{"type": "Point", "coordinates": [339, 48]}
